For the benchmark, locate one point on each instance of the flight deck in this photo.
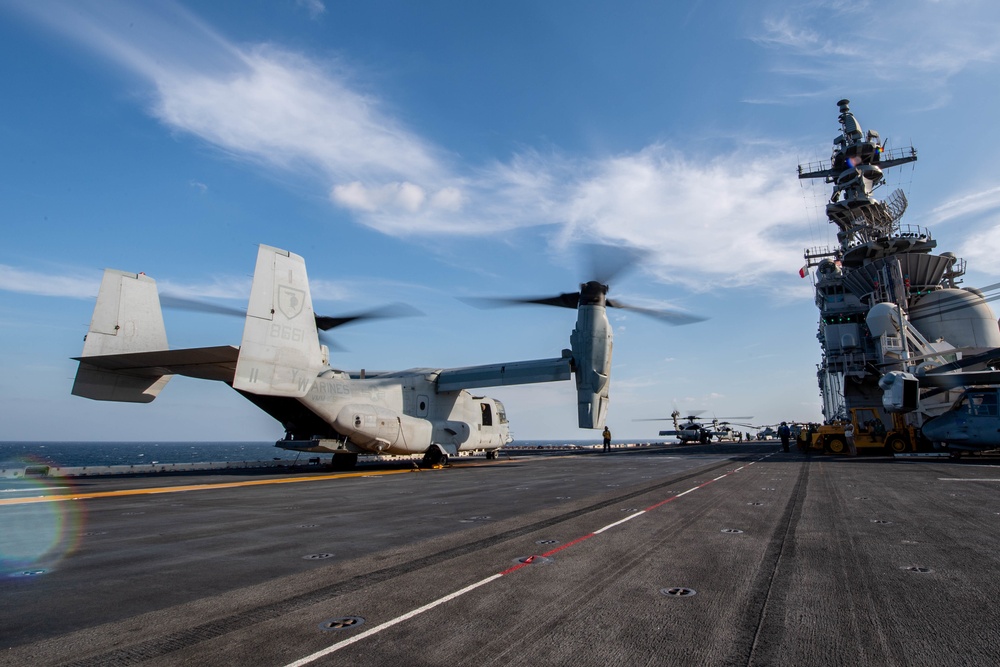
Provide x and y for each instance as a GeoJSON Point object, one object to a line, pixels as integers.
{"type": "Point", "coordinates": [708, 555]}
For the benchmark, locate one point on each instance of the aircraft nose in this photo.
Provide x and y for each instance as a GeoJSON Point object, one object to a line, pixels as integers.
{"type": "Point", "coordinates": [937, 429]}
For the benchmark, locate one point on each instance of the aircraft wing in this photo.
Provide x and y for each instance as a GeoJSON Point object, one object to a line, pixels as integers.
{"type": "Point", "coordinates": [495, 375]}
{"type": "Point", "coordinates": [206, 363]}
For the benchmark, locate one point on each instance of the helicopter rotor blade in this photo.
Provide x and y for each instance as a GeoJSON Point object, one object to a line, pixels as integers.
{"type": "Point", "coordinates": [565, 300]}
{"type": "Point", "coordinates": [607, 262]}
{"type": "Point", "coordinates": [323, 322]}
{"type": "Point", "coordinates": [393, 310]}
{"type": "Point", "coordinates": [183, 303]}
{"type": "Point", "coordinates": [674, 317]}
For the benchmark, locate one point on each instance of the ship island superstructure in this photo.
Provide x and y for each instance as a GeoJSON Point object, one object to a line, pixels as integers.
{"type": "Point", "coordinates": [889, 304]}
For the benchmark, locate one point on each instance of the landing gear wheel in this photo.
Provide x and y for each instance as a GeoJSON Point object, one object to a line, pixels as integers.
{"type": "Point", "coordinates": [955, 454]}
{"type": "Point", "coordinates": [344, 461]}
{"type": "Point", "coordinates": [434, 457]}
{"type": "Point", "coordinates": [491, 455]}
{"type": "Point", "coordinates": [897, 445]}
{"type": "Point", "coordinates": [836, 445]}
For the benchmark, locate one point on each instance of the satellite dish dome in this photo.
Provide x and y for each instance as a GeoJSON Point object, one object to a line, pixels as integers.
{"type": "Point", "coordinates": [950, 255]}
{"type": "Point", "coordinates": [828, 267]}
{"type": "Point", "coordinates": [882, 319]}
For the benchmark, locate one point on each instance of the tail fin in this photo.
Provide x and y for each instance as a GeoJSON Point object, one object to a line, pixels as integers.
{"type": "Point", "coordinates": [127, 318]}
{"type": "Point", "coordinates": [280, 354]}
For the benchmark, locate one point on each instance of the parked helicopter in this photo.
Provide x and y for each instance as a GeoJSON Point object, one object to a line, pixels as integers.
{"type": "Point", "coordinates": [694, 431]}
{"type": "Point", "coordinates": [282, 367]}
{"type": "Point", "coordinates": [972, 424]}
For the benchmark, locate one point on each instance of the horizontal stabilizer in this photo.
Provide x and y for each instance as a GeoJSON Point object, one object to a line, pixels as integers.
{"type": "Point", "coordinates": [204, 363]}
{"type": "Point", "coordinates": [495, 375]}
{"type": "Point", "coordinates": [96, 384]}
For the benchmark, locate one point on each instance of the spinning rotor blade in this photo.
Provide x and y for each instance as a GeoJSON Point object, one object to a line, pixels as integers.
{"type": "Point", "coordinates": [607, 262]}
{"type": "Point", "coordinates": [181, 303]}
{"type": "Point", "coordinates": [566, 300]}
{"type": "Point", "coordinates": [674, 317]}
{"type": "Point", "coordinates": [325, 322]}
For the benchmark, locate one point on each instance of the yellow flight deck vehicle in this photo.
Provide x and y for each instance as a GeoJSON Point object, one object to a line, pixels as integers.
{"type": "Point", "coordinates": [870, 434]}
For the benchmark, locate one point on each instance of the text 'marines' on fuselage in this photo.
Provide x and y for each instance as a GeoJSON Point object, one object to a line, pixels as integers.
{"type": "Point", "coordinates": [282, 367]}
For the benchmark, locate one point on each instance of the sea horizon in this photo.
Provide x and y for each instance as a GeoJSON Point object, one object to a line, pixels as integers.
{"type": "Point", "coordinates": [80, 453]}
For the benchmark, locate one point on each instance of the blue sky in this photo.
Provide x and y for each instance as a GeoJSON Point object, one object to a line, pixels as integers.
{"type": "Point", "coordinates": [422, 151]}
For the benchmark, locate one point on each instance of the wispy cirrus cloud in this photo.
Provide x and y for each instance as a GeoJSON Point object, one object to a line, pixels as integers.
{"type": "Point", "coordinates": [966, 205]}
{"type": "Point", "coordinates": [314, 8]}
{"type": "Point", "coordinates": [921, 46]}
{"type": "Point", "coordinates": [77, 285]}
{"type": "Point", "coordinates": [84, 284]}
{"type": "Point", "coordinates": [285, 110]}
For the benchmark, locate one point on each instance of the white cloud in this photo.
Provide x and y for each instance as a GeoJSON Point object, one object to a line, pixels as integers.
{"type": "Point", "coordinates": [395, 197]}
{"type": "Point", "coordinates": [920, 48]}
{"type": "Point", "coordinates": [982, 248]}
{"type": "Point", "coordinates": [723, 220]}
{"type": "Point", "coordinates": [314, 8]}
{"type": "Point", "coordinates": [966, 205]}
{"type": "Point", "coordinates": [77, 285]}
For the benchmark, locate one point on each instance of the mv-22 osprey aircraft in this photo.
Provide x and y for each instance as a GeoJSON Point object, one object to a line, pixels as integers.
{"type": "Point", "coordinates": [282, 368]}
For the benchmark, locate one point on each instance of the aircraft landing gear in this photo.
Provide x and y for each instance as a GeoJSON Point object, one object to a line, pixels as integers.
{"type": "Point", "coordinates": [434, 458]}
{"type": "Point", "coordinates": [344, 461]}
{"type": "Point", "coordinates": [491, 455]}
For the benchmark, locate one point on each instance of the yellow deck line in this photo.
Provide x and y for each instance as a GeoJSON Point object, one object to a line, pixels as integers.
{"type": "Point", "coordinates": [205, 487]}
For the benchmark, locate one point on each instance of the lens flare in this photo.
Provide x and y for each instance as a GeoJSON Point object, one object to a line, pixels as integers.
{"type": "Point", "coordinates": [36, 536]}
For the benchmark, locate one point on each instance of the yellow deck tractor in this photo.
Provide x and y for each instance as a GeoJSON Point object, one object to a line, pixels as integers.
{"type": "Point", "coordinates": [870, 435]}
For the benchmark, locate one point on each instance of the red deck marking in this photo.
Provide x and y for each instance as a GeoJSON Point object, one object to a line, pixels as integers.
{"type": "Point", "coordinates": [399, 619]}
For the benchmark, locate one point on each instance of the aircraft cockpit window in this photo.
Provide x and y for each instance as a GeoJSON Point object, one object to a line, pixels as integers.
{"type": "Point", "coordinates": [501, 412]}
{"type": "Point", "coordinates": [982, 404]}
{"type": "Point", "coordinates": [487, 414]}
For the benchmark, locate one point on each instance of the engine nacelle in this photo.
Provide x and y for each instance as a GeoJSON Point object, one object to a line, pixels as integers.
{"type": "Point", "coordinates": [591, 341]}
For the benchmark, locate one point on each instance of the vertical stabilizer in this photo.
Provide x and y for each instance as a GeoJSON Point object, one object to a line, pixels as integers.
{"type": "Point", "coordinates": [127, 318]}
{"type": "Point", "coordinates": [280, 354]}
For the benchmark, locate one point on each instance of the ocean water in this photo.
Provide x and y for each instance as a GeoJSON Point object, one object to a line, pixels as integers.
{"type": "Point", "coordinates": [78, 454]}
{"type": "Point", "coordinates": [73, 454]}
